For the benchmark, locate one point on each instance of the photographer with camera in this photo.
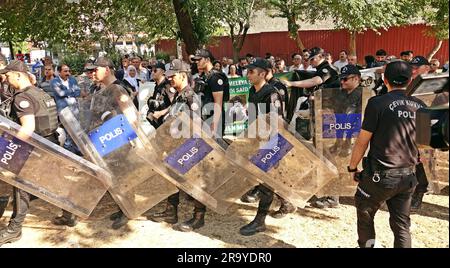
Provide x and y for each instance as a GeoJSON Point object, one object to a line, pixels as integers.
{"type": "Point", "coordinates": [389, 173]}
{"type": "Point", "coordinates": [213, 88]}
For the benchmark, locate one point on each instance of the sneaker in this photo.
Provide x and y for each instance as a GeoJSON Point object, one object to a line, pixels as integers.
{"type": "Point", "coordinates": [8, 235]}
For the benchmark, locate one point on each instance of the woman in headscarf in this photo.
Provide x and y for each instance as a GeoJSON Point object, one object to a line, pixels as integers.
{"type": "Point", "coordinates": [132, 84]}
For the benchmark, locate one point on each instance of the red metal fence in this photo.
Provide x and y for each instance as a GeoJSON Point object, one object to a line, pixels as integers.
{"type": "Point", "coordinates": [394, 41]}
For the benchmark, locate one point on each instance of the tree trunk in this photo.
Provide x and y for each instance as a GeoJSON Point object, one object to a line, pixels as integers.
{"type": "Point", "coordinates": [11, 50]}
{"type": "Point", "coordinates": [238, 40]}
{"type": "Point", "coordinates": [299, 43]}
{"type": "Point", "coordinates": [293, 33]}
{"type": "Point", "coordinates": [186, 28]}
{"type": "Point", "coordinates": [435, 50]}
{"type": "Point", "coordinates": [179, 49]}
{"type": "Point", "coordinates": [352, 44]}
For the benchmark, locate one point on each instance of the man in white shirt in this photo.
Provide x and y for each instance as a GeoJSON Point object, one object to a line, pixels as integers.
{"type": "Point", "coordinates": [342, 60]}
{"type": "Point", "coordinates": [297, 60]}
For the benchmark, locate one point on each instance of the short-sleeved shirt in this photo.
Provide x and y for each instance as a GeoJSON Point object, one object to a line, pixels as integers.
{"type": "Point", "coordinates": [24, 104]}
{"type": "Point", "coordinates": [266, 97]}
{"type": "Point", "coordinates": [391, 119]}
{"type": "Point", "coordinates": [282, 89]}
{"type": "Point", "coordinates": [216, 82]}
{"type": "Point", "coordinates": [328, 74]}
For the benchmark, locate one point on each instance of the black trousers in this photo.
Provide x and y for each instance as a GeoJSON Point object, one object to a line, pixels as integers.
{"type": "Point", "coordinates": [265, 200]}
{"type": "Point", "coordinates": [174, 200]}
{"type": "Point", "coordinates": [21, 204]}
{"type": "Point", "coordinates": [422, 186]}
{"type": "Point", "coordinates": [370, 195]}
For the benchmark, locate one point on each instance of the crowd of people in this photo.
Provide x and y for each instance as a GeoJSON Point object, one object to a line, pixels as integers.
{"type": "Point", "coordinates": [178, 82]}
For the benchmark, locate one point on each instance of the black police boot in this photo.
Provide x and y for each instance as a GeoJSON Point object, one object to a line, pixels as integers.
{"type": "Point", "coordinates": [416, 202]}
{"type": "Point", "coordinates": [119, 219]}
{"type": "Point", "coordinates": [169, 215]}
{"type": "Point", "coordinates": [67, 218]}
{"type": "Point", "coordinates": [10, 234]}
{"type": "Point", "coordinates": [251, 196]}
{"type": "Point", "coordinates": [326, 202]}
{"type": "Point", "coordinates": [255, 226]}
{"type": "Point", "coordinates": [3, 204]}
{"type": "Point", "coordinates": [116, 215]}
{"type": "Point", "coordinates": [285, 208]}
{"type": "Point", "coordinates": [197, 221]}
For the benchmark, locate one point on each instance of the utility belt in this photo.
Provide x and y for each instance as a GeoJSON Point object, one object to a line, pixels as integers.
{"type": "Point", "coordinates": [377, 172]}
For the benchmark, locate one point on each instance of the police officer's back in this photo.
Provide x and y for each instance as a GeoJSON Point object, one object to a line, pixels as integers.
{"type": "Point", "coordinates": [389, 172]}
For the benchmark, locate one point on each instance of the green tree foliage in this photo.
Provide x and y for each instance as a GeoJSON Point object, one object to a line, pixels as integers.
{"type": "Point", "coordinates": [296, 12]}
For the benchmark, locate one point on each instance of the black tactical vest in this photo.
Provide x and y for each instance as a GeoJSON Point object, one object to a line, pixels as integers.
{"type": "Point", "coordinates": [46, 117]}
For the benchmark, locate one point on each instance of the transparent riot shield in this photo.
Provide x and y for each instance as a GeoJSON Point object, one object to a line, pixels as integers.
{"type": "Point", "coordinates": [337, 123]}
{"type": "Point", "coordinates": [145, 92]}
{"type": "Point", "coordinates": [197, 163]}
{"type": "Point", "coordinates": [49, 172]}
{"type": "Point", "coordinates": [435, 161]}
{"type": "Point", "coordinates": [285, 162]}
{"type": "Point", "coordinates": [440, 170]}
{"type": "Point", "coordinates": [112, 138]}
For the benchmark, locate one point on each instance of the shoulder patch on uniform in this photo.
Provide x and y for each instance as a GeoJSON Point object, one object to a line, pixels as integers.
{"type": "Point", "coordinates": [24, 104]}
{"type": "Point", "coordinates": [194, 106]}
{"type": "Point", "coordinates": [325, 70]}
{"type": "Point", "coordinates": [277, 104]}
{"type": "Point", "coordinates": [220, 82]}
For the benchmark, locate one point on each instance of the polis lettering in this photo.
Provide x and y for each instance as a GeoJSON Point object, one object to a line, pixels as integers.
{"type": "Point", "coordinates": [193, 151]}
{"type": "Point", "coordinates": [111, 135]}
{"type": "Point", "coordinates": [346, 126]}
{"type": "Point", "coordinates": [9, 153]}
{"type": "Point", "coordinates": [271, 154]}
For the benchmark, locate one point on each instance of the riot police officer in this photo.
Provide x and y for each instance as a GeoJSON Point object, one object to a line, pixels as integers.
{"type": "Point", "coordinates": [35, 111]}
{"type": "Point", "coordinates": [262, 95]}
{"type": "Point", "coordinates": [286, 206]}
{"type": "Point", "coordinates": [214, 90]}
{"type": "Point", "coordinates": [327, 77]}
{"type": "Point", "coordinates": [389, 170]}
{"type": "Point", "coordinates": [162, 96]}
{"type": "Point", "coordinates": [185, 99]}
{"type": "Point", "coordinates": [325, 74]}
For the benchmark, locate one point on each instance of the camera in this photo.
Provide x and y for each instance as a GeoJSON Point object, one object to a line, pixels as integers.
{"type": "Point", "coordinates": [200, 86]}
{"type": "Point", "coordinates": [155, 104]}
{"type": "Point", "coordinates": [432, 121]}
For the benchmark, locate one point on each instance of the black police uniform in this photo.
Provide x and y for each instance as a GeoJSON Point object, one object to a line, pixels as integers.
{"type": "Point", "coordinates": [162, 98]}
{"type": "Point", "coordinates": [282, 90]}
{"type": "Point", "coordinates": [30, 101]}
{"type": "Point", "coordinates": [422, 186]}
{"type": "Point", "coordinates": [329, 75]}
{"type": "Point", "coordinates": [213, 81]}
{"type": "Point", "coordinates": [346, 103]}
{"type": "Point", "coordinates": [267, 96]}
{"type": "Point", "coordinates": [389, 171]}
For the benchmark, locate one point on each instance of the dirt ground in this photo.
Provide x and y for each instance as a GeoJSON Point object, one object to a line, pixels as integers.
{"type": "Point", "coordinates": [306, 228]}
